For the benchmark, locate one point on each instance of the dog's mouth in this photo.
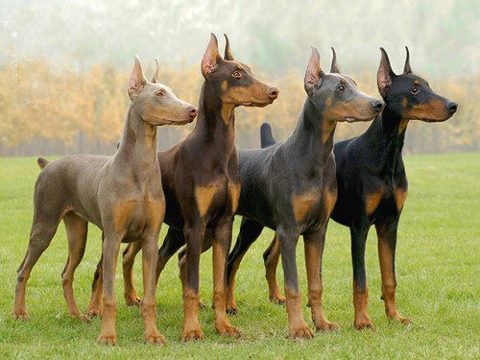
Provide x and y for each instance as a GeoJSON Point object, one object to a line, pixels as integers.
{"type": "Point", "coordinates": [177, 122]}
{"type": "Point", "coordinates": [257, 104]}
{"type": "Point", "coordinates": [351, 119]}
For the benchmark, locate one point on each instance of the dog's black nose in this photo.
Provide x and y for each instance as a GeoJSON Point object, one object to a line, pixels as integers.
{"type": "Point", "coordinates": [273, 93]}
{"type": "Point", "coordinates": [377, 105]}
{"type": "Point", "coordinates": [452, 107]}
{"type": "Point", "coordinates": [192, 111]}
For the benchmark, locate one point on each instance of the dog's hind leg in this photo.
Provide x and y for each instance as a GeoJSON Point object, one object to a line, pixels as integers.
{"type": "Point", "coordinates": [250, 230]}
{"type": "Point", "coordinates": [129, 292]}
{"type": "Point", "coordinates": [271, 256]}
{"type": "Point", "coordinates": [95, 306]}
{"type": "Point", "coordinates": [77, 238]}
{"type": "Point", "coordinates": [43, 230]}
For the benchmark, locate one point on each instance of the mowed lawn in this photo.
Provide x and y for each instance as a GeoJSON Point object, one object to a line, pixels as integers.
{"type": "Point", "coordinates": [438, 271]}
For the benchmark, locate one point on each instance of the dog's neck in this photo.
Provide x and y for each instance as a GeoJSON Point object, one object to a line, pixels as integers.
{"type": "Point", "coordinates": [313, 135]}
{"type": "Point", "coordinates": [387, 135]}
{"type": "Point", "coordinates": [138, 144]}
{"type": "Point", "coordinates": [215, 127]}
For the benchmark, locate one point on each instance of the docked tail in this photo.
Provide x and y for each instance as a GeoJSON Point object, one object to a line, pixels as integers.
{"type": "Point", "coordinates": [266, 137]}
{"type": "Point", "coordinates": [42, 162]}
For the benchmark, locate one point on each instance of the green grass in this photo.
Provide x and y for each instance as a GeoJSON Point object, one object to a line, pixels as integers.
{"type": "Point", "coordinates": [438, 271]}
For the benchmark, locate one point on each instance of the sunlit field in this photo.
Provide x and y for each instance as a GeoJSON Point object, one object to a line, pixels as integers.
{"type": "Point", "coordinates": [438, 268]}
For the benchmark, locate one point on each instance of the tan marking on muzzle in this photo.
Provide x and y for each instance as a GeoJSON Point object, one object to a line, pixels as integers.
{"type": "Point", "coordinates": [434, 110]}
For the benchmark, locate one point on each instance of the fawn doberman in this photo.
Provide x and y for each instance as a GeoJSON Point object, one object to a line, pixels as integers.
{"type": "Point", "coordinates": [372, 184]}
{"type": "Point", "coordinates": [291, 188]}
{"type": "Point", "coordinates": [122, 195]}
{"type": "Point", "coordinates": [201, 184]}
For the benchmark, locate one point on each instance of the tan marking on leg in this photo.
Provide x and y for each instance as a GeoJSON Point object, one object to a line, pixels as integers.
{"type": "Point", "coordinates": [204, 196]}
{"type": "Point", "coordinates": [400, 196]}
{"type": "Point", "coordinates": [389, 283]}
{"type": "Point", "coordinates": [191, 326]}
{"type": "Point", "coordinates": [372, 200]}
{"type": "Point", "coordinates": [129, 292]}
{"type": "Point", "coordinates": [302, 204]}
{"type": "Point", "coordinates": [360, 303]}
{"type": "Point", "coordinates": [271, 264]}
{"type": "Point", "coordinates": [298, 328]}
{"type": "Point", "coordinates": [234, 191]}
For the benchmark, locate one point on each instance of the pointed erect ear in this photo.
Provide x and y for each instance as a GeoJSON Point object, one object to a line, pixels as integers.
{"type": "Point", "coordinates": [211, 58]}
{"type": "Point", "coordinates": [137, 80]}
{"type": "Point", "coordinates": [334, 68]}
{"type": "Point", "coordinates": [385, 74]}
{"type": "Point", "coordinates": [407, 69]}
{"type": "Point", "coordinates": [155, 74]}
{"type": "Point", "coordinates": [228, 51]}
{"type": "Point", "coordinates": [314, 73]}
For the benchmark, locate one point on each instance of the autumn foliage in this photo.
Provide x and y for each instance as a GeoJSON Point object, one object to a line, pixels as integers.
{"type": "Point", "coordinates": [46, 111]}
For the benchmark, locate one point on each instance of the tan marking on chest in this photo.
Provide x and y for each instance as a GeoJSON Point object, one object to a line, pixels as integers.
{"type": "Point", "coordinates": [302, 204]}
{"type": "Point", "coordinates": [400, 195]}
{"type": "Point", "coordinates": [122, 213]}
{"type": "Point", "coordinates": [234, 192]}
{"type": "Point", "coordinates": [372, 200]}
{"type": "Point", "coordinates": [329, 201]}
{"type": "Point", "coordinates": [204, 196]}
{"type": "Point", "coordinates": [155, 211]}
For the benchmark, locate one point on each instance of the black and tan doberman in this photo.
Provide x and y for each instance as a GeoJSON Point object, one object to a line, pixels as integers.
{"type": "Point", "coordinates": [291, 188]}
{"type": "Point", "coordinates": [372, 183]}
{"type": "Point", "coordinates": [201, 184]}
{"type": "Point", "coordinates": [122, 195]}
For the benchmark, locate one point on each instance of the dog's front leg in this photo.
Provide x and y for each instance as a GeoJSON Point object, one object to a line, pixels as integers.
{"type": "Point", "coordinates": [148, 305]}
{"type": "Point", "coordinates": [221, 246]}
{"type": "Point", "coordinates": [296, 323]}
{"type": "Point", "coordinates": [189, 274]}
{"type": "Point", "coordinates": [110, 249]}
{"type": "Point", "coordinates": [314, 244]}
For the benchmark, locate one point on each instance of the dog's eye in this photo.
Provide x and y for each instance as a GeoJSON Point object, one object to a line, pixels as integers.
{"type": "Point", "coordinates": [415, 90]}
{"type": "Point", "coordinates": [341, 88]}
{"type": "Point", "coordinates": [160, 93]}
{"type": "Point", "coordinates": [237, 74]}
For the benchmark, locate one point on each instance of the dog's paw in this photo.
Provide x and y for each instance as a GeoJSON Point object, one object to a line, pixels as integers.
{"type": "Point", "coordinates": [300, 332]}
{"type": "Point", "coordinates": [93, 311]}
{"type": "Point", "coordinates": [155, 338]}
{"type": "Point", "coordinates": [132, 299]}
{"type": "Point", "coordinates": [364, 323]}
{"type": "Point", "coordinates": [228, 330]}
{"type": "Point", "coordinates": [20, 314]}
{"type": "Point", "coordinates": [399, 318]}
{"type": "Point", "coordinates": [192, 334]}
{"type": "Point", "coordinates": [327, 326]}
{"type": "Point", "coordinates": [107, 339]}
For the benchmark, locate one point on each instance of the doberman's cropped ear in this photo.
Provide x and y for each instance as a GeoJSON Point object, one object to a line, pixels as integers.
{"type": "Point", "coordinates": [334, 68]}
{"type": "Point", "coordinates": [211, 58]}
{"type": "Point", "coordinates": [155, 74]}
{"type": "Point", "coordinates": [385, 74]}
{"type": "Point", "coordinates": [228, 51]}
{"type": "Point", "coordinates": [137, 80]}
{"type": "Point", "coordinates": [407, 69]}
{"type": "Point", "coordinates": [313, 74]}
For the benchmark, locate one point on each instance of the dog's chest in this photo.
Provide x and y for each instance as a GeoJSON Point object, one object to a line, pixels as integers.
{"type": "Point", "coordinates": [218, 196]}
{"type": "Point", "coordinates": [135, 218]}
